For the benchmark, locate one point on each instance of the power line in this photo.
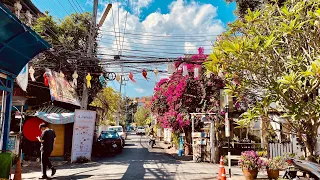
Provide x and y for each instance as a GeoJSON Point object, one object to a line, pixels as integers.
{"type": "Point", "coordinates": [72, 6]}
{"type": "Point", "coordinates": [119, 24]}
{"type": "Point", "coordinates": [77, 4]}
{"type": "Point", "coordinates": [158, 45]}
{"type": "Point", "coordinates": [125, 26]}
{"type": "Point", "coordinates": [114, 28]}
{"type": "Point", "coordinates": [51, 7]}
{"type": "Point", "coordinates": [185, 48]}
{"type": "Point", "coordinates": [146, 51]}
{"type": "Point", "coordinates": [135, 32]}
{"type": "Point", "coordinates": [63, 7]}
{"type": "Point", "coordinates": [164, 40]}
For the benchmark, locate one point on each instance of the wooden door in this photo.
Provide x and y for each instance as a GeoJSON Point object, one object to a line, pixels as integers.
{"type": "Point", "coordinates": [58, 149]}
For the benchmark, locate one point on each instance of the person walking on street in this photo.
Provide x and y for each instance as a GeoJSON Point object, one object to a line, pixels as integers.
{"type": "Point", "coordinates": [47, 142]}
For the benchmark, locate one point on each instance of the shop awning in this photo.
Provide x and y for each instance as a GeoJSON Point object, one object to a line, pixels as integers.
{"type": "Point", "coordinates": [56, 118]}
{"type": "Point", "coordinates": [18, 43]}
{"type": "Point", "coordinates": [54, 115]}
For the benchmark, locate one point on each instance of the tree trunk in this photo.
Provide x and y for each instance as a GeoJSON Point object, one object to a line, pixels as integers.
{"type": "Point", "coordinates": [247, 133]}
{"type": "Point", "coordinates": [188, 143]}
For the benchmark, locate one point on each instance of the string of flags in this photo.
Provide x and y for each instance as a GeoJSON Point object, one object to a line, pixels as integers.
{"type": "Point", "coordinates": [103, 79]}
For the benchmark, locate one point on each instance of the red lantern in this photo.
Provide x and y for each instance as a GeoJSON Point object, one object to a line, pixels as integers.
{"type": "Point", "coordinates": [131, 77]}
{"type": "Point", "coordinates": [144, 74]}
{"type": "Point", "coordinates": [45, 79]}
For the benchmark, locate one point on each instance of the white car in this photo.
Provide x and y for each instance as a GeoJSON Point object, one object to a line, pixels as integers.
{"type": "Point", "coordinates": [141, 130]}
{"type": "Point", "coordinates": [119, 130]}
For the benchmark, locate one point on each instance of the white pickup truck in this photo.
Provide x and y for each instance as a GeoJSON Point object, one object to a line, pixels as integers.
{"type": "Point", "coordinates": [141, 130]}
{"type": "Point", "coordinates": [119, 130]}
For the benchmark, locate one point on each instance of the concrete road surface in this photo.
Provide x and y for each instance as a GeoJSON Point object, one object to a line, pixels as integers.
{"type": "Point", "coordinates": [137, 161]}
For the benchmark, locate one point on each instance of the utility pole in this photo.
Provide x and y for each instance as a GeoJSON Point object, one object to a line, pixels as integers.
{"type": "Point", "coordinates": [122, 80]}
{"type": "Point", "coordinates": [90, 46]}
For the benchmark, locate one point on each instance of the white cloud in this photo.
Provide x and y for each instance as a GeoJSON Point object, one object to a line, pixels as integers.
{"type": "Point", "coordinates": [137, 5]}
{"type": "Point", "coordinates": [187, 26]}
{"type": "Point", "coordinates": [139, 90]}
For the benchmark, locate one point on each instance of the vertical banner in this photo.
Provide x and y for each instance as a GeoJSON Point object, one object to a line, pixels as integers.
{"type": "Point", "coordinates": [83, 131]}
{"type": "Point", "coordinates": [22, 78]}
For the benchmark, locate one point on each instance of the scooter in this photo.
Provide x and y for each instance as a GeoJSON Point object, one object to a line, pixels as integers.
{"type": "Point", "coordinates": [152, 141]}
{"type": "Point", "coordinates": [309, 169]}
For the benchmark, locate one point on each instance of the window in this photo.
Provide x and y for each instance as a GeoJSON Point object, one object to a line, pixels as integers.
{"type": "Point", "coordinates": [109, 134]}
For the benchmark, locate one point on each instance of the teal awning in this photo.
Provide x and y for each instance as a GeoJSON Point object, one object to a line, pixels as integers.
{"type": "Point", "coordinates": [18, 43]}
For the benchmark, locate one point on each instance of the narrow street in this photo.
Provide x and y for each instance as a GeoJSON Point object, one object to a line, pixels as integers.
{"type": "Point", "coordinates": [137, 161]}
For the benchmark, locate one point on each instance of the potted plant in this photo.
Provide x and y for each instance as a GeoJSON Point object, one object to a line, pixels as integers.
{"type": "Point", "coordinates": [274, 166]}
{"type": "Point", "coordinates": [250, 164]}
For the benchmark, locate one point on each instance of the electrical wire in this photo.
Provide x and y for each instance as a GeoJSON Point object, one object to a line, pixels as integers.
{"type": "Point", "coordinates": [159, 45]}
{"type": "Point", "coordinates": [147, 51]}
{"type": "Point", "coordinates": [73, 6]}
{"type": "Point", "coordinates": [150, 48]}
{"type": "Point", "coordinates": [78, 8]}
{"type": "Point", "coordinates": [119, 24]}
{"type": "Point", "coordinates": [125, 26]}
{"type": "Point", "coordinates": [114, 28]}
{"type": "Point", "coordinates": [51, 7]}
{"type": "Point", "coordinates": [153, 34]}
{"type": "Point", "coordinates": [170, 41]}
{"type": "Point", "coordinates": [63, 7]}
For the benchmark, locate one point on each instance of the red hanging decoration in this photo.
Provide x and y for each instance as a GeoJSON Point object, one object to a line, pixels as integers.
{"type": "Point", "coordinates": [45, 79]}
{"type": "Point", "coordinates": [131, 77]}
{"type": "Point", "coordinates": [144, 74]}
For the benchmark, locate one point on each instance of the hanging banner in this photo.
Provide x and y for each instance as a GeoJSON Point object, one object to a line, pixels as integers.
{"type": "Point", "coordinates": [61, 89]}
{"type": "Point", "coordinates": [22, 78]}
{"type": "Point", "coordinates": [83, 130]}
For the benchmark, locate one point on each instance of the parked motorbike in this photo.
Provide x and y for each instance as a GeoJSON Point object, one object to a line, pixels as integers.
{"type": "Point", "coordinates": [152, 141]}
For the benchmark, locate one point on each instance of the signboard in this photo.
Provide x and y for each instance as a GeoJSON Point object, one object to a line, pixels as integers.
{"type": "Point", "coordinates": [61, 89]}
{"type": "Point", "coordinates": [12, 144]}
{"type": "Point", "coordinates": [83, 132]}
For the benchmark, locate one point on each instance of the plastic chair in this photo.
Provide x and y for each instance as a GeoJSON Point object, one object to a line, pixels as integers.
{"type": "Point", "coordinates": [5, 164]}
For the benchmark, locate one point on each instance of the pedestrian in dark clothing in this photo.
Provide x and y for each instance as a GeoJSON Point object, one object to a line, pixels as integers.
{"type": "Point", "coordinates": [47, 142]}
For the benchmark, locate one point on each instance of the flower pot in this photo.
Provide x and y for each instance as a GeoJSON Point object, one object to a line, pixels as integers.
{"type": "Point", "coordinates": [273, 174]}
{"type": "Point", "coordinates": [250, 174]}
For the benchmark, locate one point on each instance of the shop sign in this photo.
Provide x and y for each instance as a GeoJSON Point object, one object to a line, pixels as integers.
{"type": "Point", "coordinates": [61, 89]}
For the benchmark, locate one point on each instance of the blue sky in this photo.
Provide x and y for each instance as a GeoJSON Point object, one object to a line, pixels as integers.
{"type": "Point", "coordinates": [156, 28]}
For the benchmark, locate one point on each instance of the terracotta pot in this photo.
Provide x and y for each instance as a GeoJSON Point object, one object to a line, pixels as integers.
{"type": "Point", "coordinates": [273, 174]}
{"type": "Point", "coordinates": [250, 174]}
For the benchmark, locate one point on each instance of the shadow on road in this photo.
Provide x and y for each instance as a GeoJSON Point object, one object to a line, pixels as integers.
{"type": "Point", "coordinates": [141, 162]}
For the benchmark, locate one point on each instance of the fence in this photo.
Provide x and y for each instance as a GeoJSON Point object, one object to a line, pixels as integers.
{"type": "Point", "coordinates": [281, 149]}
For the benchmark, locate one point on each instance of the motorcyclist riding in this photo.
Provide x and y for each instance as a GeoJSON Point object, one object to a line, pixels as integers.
{"type": "Point", "coordinates": [152, 141]}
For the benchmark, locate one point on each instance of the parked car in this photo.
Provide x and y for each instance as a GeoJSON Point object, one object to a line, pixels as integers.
{"type": "Point", "coordinates": [119, 130]}
{"type": "Point", "coordinates": [109, 142]}
{"type": "Point", "coordinates": [141, 130]}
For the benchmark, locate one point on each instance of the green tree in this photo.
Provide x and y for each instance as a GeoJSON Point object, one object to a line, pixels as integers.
{"type": "Point", "coordinates": [244, 5]}
{"type": "Point", "coordinates": [273, 54]}
{"type": "Point", "coordinates": [107, 100]}
{"type": "Point", "coordinates": [68, 38]}
{"type": "Point", "coordinates": [142, 116]}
